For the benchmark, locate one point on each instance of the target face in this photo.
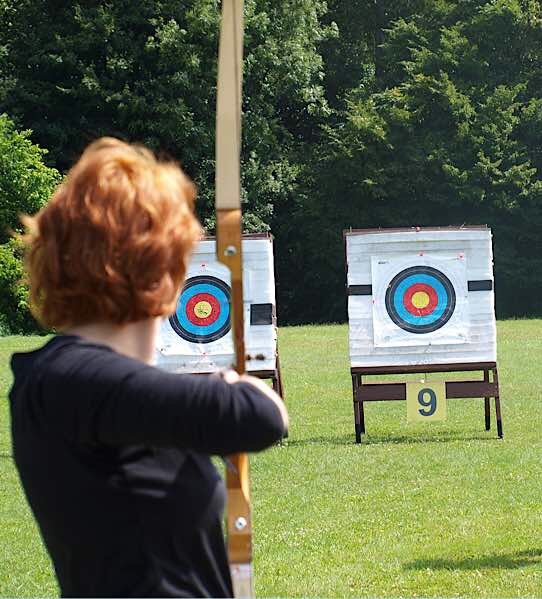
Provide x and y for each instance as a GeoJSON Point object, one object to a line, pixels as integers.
{"type": "Point", "coordinates": [420, 299]}
{"type": "Point", "coordinates": [203, 310]}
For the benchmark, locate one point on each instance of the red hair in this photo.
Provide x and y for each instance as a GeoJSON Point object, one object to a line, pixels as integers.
{"type": "Point", "coordinates": [113, 241]}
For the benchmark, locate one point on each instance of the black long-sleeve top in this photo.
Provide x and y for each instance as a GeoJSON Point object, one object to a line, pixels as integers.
{"type": "Point", "coordinates": [114, 459]}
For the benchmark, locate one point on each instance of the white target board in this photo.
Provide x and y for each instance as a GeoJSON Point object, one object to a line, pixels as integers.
{"type": "Point", "coordinates": [420, 296]}
{"type": "Point", "coordinates": [197, 337]}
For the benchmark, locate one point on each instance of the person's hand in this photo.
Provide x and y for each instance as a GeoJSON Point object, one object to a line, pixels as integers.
{"type": "Point", "coordinates": [229, 376]}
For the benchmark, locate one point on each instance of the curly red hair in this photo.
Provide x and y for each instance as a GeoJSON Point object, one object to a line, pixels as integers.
{"type": "Point", "coordinates": [113, 241]}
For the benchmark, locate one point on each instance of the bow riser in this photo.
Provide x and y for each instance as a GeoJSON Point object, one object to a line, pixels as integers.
{"type": "Point", "coordinates": [229, 253]}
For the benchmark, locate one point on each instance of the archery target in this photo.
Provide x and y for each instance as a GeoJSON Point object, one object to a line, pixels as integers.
{"type": "Point", "coordinates": [420, 299]}
{"type": "Point", "coordinates": [203, 310]}
{"type": "Point", "coordinates": [197, 337]}
{"type": "Point", "coordinates": [420, 296]}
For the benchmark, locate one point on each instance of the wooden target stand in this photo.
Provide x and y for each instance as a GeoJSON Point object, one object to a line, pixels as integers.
{"type": "Point", "coordinates": [275, 376]}
{"type": "Point", "coordinates": [269, 311]}
{"type": "Point", "coordinates": [486, 388]}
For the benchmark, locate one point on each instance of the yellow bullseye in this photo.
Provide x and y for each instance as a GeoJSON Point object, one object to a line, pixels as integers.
{"type": "Point", "coordinates": [203, 309]}
{"type": "Point", "coordinates": [420, 300]}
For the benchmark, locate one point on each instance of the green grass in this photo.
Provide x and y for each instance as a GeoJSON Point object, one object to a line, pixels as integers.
{"type": "Point", "coordinates": [415, 511]}
{"type": "Point", "coordinates": [25, 569]}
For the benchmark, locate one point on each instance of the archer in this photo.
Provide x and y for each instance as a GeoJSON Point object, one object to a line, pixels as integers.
{"type": "Point", "coordinates": [113, 453]}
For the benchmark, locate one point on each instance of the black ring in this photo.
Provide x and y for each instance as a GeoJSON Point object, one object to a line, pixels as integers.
{"type": "Point", "coordinates": [427, 328]}
{"type": "Point", "coordinates": [188, 335]}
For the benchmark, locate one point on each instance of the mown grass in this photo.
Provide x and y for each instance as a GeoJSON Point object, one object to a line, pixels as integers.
{"type": "Point", "coordinates": [415, 511]}
{"type": "Point", "coordinates": [25, 570]}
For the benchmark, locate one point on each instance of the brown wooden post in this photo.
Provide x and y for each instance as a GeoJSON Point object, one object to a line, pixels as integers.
{"type": "Point", "coordinates": [487, 405]}
{"type": "Point", "coordinates": [278, 376]}
{"type": "Point", "coordinates": [497, 403]}
{"type": "Point", "coordinates": [361, 406]}
{"type": "Point", "coordinates": [359, 416]}
{"type": "Point", "coordinates": [357, 426]}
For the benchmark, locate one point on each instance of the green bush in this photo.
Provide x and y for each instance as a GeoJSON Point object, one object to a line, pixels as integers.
{"type": "Point", "coordinates": [15, 316]}
{"type": "Point", "coordinates": [25, 182]}
{"type": "Point", "coordinates": [25, 185]}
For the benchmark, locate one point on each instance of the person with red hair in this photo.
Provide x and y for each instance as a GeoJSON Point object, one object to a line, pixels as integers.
{"type": "Point", "coordinates": [113, 453]}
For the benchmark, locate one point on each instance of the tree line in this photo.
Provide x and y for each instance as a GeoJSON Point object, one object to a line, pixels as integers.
{"type": "Point", "coordinates": [357, 113]}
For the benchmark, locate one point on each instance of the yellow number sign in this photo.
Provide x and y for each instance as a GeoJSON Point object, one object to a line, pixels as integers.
{"type": "Point", "coordinates": [426, 401]}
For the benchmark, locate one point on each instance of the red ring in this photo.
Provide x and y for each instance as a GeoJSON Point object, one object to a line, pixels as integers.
{"type": "Point", "coordinates": [423, 287]}
{"type": "Point", "coordinates": [191, 306]}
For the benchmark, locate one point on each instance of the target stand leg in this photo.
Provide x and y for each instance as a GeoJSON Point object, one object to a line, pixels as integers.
{"type": "Point", "coordinates": [275, 376]}
{"type": "Point", "coordinates": [498, 404]}
{"type": "Point", "coordinates": [487, 404]}
{"type": "Point", "coordinates": [275, 384]}
{"type": "Point", "coordinates": [278, 387]}
{"type": "Point", "coordinates": [359, 416]}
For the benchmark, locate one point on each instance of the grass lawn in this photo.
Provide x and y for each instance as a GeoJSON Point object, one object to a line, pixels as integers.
{"type": "Point", "coordinates": [415, 511]}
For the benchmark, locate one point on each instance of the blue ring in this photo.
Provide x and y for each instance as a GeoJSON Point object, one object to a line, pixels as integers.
{"type": "Point", "coordinates": [202, 334]}
{"type": "Point", "coordinates": [187, 295]}
{"type": "Point", "coordinates": [402, 288]}
{"type": "Point", "coordinates": [400, 284]}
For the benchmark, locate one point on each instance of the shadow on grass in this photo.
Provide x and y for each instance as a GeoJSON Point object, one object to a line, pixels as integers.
{"type": "Point", "coordinates": [323, 440]}
{"type": "Point", "coordinates": [413, 439]}
{"type": "Point", "coordinates": [406, 439]}
{"type": "Point", "coordinates": [520, 559]}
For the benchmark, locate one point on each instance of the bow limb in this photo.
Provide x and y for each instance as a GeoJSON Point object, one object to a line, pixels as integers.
{"type": "Point", "coordinates": [229, 252]}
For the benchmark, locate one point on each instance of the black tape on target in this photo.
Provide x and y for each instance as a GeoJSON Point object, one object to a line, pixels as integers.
{"type": "Point", "coordinates": [420, 299]}
{"type": "Point", "coordinates": [203, 310]}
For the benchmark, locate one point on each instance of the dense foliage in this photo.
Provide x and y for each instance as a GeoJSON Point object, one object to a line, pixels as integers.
{"type": "Point", "coordinates": [15, 317]}
{"type": "Point", "coordinates": [443, 126]}
{"type": "Point", "coordinates": [359, 113]}
{"type": "Point", "coordinates": [25, 185]}
{"type": "Point", "coordinates": [25, 182]}
{"type": "Point", "coordinates": [146, 71]}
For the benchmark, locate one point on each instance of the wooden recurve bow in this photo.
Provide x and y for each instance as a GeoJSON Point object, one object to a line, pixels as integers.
{"type": "Point", "coordinates": [228, 248]}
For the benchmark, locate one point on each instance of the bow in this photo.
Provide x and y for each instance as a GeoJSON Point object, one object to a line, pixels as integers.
{"type": "Point", "coordinates": [228, 248]}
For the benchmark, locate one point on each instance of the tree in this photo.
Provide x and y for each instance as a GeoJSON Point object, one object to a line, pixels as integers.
{"type": "Point", "coordinates": [362, 113]}
{"type": "Point", "coordinates": [146, 71]}
{"type": "Point", "coordinates": [447, 130]}
{"type": "Point", "coordinates": [25, 185]}
{"type": "Point", "coordinates": [25, 182]}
